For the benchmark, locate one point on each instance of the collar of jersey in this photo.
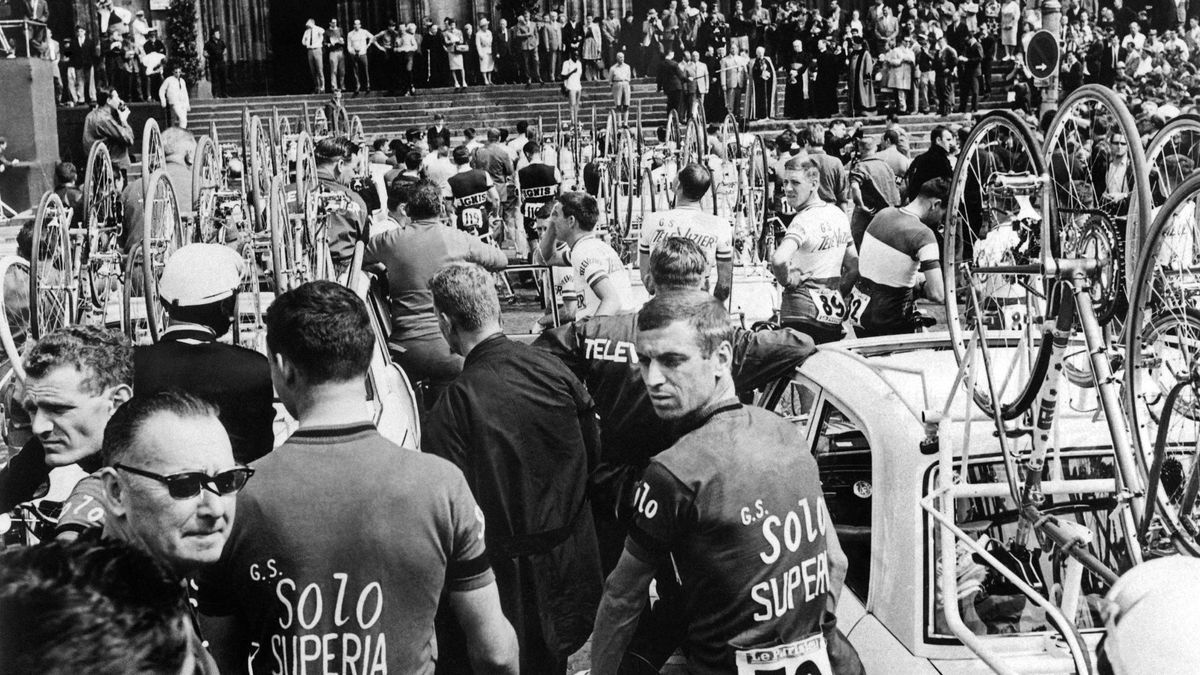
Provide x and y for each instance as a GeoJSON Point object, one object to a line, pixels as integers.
{"type": "Point", "coordinates": [589, 235]}
{"type": "Point", "coordinates": [333, 431]}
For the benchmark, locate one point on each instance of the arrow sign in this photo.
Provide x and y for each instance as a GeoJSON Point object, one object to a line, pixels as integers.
{"type": "Point", "coordinates": [1042, 54]}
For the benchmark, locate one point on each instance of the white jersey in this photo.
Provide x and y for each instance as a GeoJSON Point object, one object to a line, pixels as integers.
{"type": "Point", "coordinates": [594, 261]}
{"type": "Point", "coordinates": [713, 234]}
{"type": "Point", "coordinates": [821, 233]}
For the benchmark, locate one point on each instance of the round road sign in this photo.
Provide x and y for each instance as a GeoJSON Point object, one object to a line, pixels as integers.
{"type": "Point", "coordinates": [1042, 54]}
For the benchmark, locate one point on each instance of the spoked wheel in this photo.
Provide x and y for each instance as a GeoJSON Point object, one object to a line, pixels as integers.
{"type": "Point", "coordinates": [622, 191]}
{"type": "Point", "coordinates": [692, 149]}
{"type": "Point", "coordinates": [340, 124]}
{"type": "Point", "coordinates": [356, 132]}
{"type": "Point", "coordinates": [206, 179]}
{"type": "Point", "coordinates": [303, 173]}
{"type": "Point", "coordinates": [283, 251]}
{"type": "Point", "coordinates": [51, 277]}
{"type": "Point", "coordinates": [753, 197]}
{"type": "Point", "coordinates": [610, 135]}
{"type": "Point", "coordinates": [14, 324]}
{"type": "Point", "coordinates": [249, 330]}
{"type": "Point", "coordinates": [1173, 154]}
{"type": "Point", "coordinates": [997, 207]}
{"type": "Point", "coordinates": [1162, 370]}
{"type": "Point", "coordinates": [153, 156]}
{"type": "Point", "coordinates": [100, 255]}
{"type": "Point", "coordinates": [1086, 197]}
{"type": "Point", "coordinates": [163, 235]}
{"type": "Point", "coordinates": [261, 171]}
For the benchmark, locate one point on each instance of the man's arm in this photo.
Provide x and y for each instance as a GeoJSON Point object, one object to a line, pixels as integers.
{"type": "Point", "coordinates": [546, 243]}
{"type": "Point", "coordinates": [849, 268]}
{"type": "Point", "coordinates": [625, 594]}
{"type": "Point", "coordinates": [610, 299]}
{"type": "Point", "coordinates": [644, 268]}
{"type": "Point", "coordinates": [491, 640]}
{"type": "Point", "coordinates": [934, 288]}
{"type": "Point", "coordinates": [724, 275]}
{"type": "Point", "coordinates": [491, 258]}
{"type": "Point", "coordinates": [782, 259]}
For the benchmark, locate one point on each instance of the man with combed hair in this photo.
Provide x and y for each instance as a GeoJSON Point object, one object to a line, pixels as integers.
{"type": "Point", "coordinates": [179, 148]}
{"type": "Point", "coordinates": [601, 280]}
{"type": "Point", "coordinates": [523, 429]}
{"type": "Point", "coordinates": [689, 219]}
{"type": "Point", "coordinates": [816, 261]}
{"type": "Point", "coordinates": [344, 227]}
{"type": "Point", "coordinates": [411, 256]}
{"type": "Point", "coordinates": [472, 194]}
{"type": "Point", "coordinates": [391, 531]}
{"type": "Point", "coordinates": [690, 512]}
{"type": "Point", "coordinates": [601, 353]}
{"type": "Point", "coordinates": [75, 378]}
{"type": "Point", "coordinates": [900, 248]}
{"type": "Point", "coordinates": [91, 607]}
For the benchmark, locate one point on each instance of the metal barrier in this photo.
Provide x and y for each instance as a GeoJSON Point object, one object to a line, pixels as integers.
{"type": "Point", "coordinates": [17, 38]}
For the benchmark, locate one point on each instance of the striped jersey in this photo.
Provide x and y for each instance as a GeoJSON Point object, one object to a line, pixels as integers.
{"type": "Point", "coordinates": [897, 249]}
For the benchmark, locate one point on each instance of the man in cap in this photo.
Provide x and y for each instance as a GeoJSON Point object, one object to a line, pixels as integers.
{"type": "Point", "coordinates": [345, 226]}
{"type": "Point", "coordinates": [199, 290]}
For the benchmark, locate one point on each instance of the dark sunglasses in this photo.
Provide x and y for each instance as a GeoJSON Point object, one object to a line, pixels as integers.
{"type": "Point", "coordinates": [189, 483]}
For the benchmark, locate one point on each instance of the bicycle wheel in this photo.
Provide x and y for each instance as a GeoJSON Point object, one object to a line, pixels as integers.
{"type": "Point", "coordinates": [206, 179]}
{"type": "Point", "coordinates": [1172, 155]}
{"type": "Point", "coordinates": [163, 235]}
{"type": "Point", "coordinates": [755, 198]}
{"type": "Point", "coordinates": [996, 216]}
{"type": "Point", "coordinates": [249, 329]}
{"type": "Point", "coordinates": [14, 325]}
{"type": "Point", "coordinates": [153, 155]}
{"type": "Point", "coordinates": [98, 247]}
{"type": "Point", "coordinates": [1092, 191]}
{"type": "Point", "coordinates": [304, 173]}
{"type": "Point", "coordinates": [355, 130]}
{"type": "Point", "coordinates": [51, 282]}
{"type": "Point", "coordinates": [1162, 352]}
{"type": "Point", "coordinates": [260, 173]}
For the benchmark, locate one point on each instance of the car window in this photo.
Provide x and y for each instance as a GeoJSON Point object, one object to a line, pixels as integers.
{"type": "Point", "coordinates": [844, 461]}
{"type": "Point", "coordinates": [796, 403]}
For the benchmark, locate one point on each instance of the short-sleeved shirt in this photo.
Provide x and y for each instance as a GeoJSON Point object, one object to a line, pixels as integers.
{"type": "Point", "coordinates": [741, 513]}
{"type": "Point", "coordinates": [539, 185]}
{"type": "Point", "coordinates": [469, 190]}
{"type": "Point", "coordinates": [821, 233]}
{"type": "Point", "coordinates": [342, 546]}
{"type": "Point", "coordinates": [713, 234]}
{"type": "Point", "coordinates": [897, 248]}
{"type": "Point", "coordinates": [593, 261]}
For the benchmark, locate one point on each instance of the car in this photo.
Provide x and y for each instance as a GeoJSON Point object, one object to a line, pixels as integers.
{"type": "Point", "coordinates": [874, 414]}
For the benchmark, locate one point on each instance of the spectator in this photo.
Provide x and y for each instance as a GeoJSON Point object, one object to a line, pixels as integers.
{"type": "Point", "coordinates": [762, 78]}
{"type": "Point", "coordinates": [833, 184]}
{"type": "Point", "coordinates": [525, 38]}
{"type": "Point", "coordinates": [173, 96]}
{"type": "Point", "coordinates": [215, 52]}
{"type": "Point", "coordinates": [933, 163]}
{"type": "Point", "coordinates": [620, 76]}
{"type": "Point", "coordinates": [970, 60]}
{"type": "Point", "coordinates": [66, 177]}
{"type": "Point", "coordinates": [551, 36]}
{"type": "Point", "coordinates": [611, 33]}
{"type": "Point", "coordinates": [179, 149]}
{"type": "Point", "coordinates": [872, 187]}
{"type": "Point", "coordinates": [109, 123]}
{"type": "Point", "coordinates": [484, 45]}
{"type": "Point", "coordinates": [313, 41]}
{"type": "Point", "coordinates": [153, 60]}
{"type": "Point", "coordinates": [80, 53]}
{"type": "Point", "coordinates": [591, 53]}
{"type": "Point", "coordinates": [358, 42]}
{"type": "Point", "coordinates": [671, 80]}
{"type": "Point", "coordinates": [411, 513]}
{"type": "Point", "coordinates": [733, 80]}
{"type": "Point", "coordinates": [892, 155]}
{"type": "Point", "coordinates": [862, 76]}
{"type": "Point", "coordinates": [530, 474]}
{"type": "Point", "coordinates": [945, 67]}
{"type": "Point", "coordinates": [455, 46]}
{"type": "Point", "coordinates": [335, 50]}
{"type": "Point", "coordinates": [830, 65]}
{"type": "Point", "coordinates": [398, 77]}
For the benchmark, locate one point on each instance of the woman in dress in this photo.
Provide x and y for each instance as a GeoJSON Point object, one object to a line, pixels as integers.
{"type": "Point", "coordinates": [592, 42]}
{"type": "Point", "coordinates": [572, 74]}
{"type": "Point", "coordinates": [452, 39]}
{"type": "Point", "coordinates": [652, 31]}
{"type": "Point", "coordinates": [483, 45]}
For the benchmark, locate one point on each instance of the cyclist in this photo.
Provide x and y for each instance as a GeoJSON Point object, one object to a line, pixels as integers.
{"type": "Point", "coordinates": [538, 184]}
{"type": "Point", "coordinates": [688, 219]}
{"type": "Point", "coordinates": [816, 261]}
{"type": "Point", "coordinates": [345, 225]}
{"type": "Point", "coordinates": [899, 246]}
{"type": "Point", "coordinates": [472, 194]}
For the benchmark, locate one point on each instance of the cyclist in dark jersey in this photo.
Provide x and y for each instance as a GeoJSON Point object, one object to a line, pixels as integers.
{"type": "Point", "coordinates": [736, 510]}
{"type": "Point", "coordinates": [539, 184]}
{"type": "Point", "coordinates": [899, 247]}
{"type": "Point", "coordinates": [472, 193]}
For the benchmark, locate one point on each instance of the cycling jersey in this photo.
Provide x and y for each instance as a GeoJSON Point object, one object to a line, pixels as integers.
{"type": "Point", "coordinates": [469, 190]}
{"type": "Point", "coordinates": [593, 261]}
{"type": "Point", "coordinates": [539, 185]}
{"type": "Point", "coordinates": [742, 517]}
{"type": "Point", "coordinates": [897, 248]}
{"type": "Point", "coordinates": [821, 233]}
{"type": "Point", "coordinates": [713, 234]}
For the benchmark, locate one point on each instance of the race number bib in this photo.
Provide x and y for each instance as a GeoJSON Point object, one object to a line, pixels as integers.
{"type": "Point", "coordinates": [857, 306]}
{"type": "Point", "coordinates": [470, 219]}
{"type": "Point", "coordinates": [804, 657]}
{"type": "Point", "coordinates": [531, 209]}
{"type": "Point", "coordinates": [831, 308]}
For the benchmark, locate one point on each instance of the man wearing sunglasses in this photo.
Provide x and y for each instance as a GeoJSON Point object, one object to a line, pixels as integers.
{"type": "Point", "coordinates": [345, 541]}
{"type": "Point", "coordinates": [76, 377]}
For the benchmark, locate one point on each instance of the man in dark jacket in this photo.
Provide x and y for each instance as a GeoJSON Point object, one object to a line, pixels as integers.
{"type": "Point", "coordinates": [523, 430]}
{"type": "Point", "coordinates": [671, 80]}
{"type": "Point", "coordinates": [933, 163]}
{"type": "Point", "coordinates": [199, 287]}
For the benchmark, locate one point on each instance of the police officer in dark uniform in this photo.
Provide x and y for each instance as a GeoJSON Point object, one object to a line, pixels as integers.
{"type": "Point", "coordinates": [347, 218]}
{"type": "Point", "coordinates": [539, 184]}
{"type": "Point", "coordinates": [473, 195]}
{"type": "Point", "coordinates": [199, 289]}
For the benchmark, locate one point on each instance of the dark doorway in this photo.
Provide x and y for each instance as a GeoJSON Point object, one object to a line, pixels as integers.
{"type": "Point", "coordinates": [289, 63]}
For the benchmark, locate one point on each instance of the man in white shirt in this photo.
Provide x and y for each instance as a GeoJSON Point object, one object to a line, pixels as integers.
{"type": "Point", "coordinates": [690, 220]}
{"type": "Point", "coordinates": [701, 75]}
{"type": "Point", "coordinates": [517, 143]}
{"type": "Point", "coordinates": [1116, 175]}
{"type": "Point", "coordinates": [357, 42]}
{"type": "Point", "coordinates": [437, 165]}
{"type": "Point", "coordinates": [314, 39]}
{"type": "Point", "coordinates": [602, 285]}
{"type": "Point", "coordinates": [173, 95]}
{"type": "Point", "coordinates": [619, 75]}
{"type": "Point", "coordinates": [139, 28]}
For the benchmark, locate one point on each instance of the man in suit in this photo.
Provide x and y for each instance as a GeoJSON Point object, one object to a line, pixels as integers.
{"type": "Point", "coordinates": [199, 288]}
{"type": "Point", "coordinates": [1109, 59]}
{"type": "Point", "coordinates": [733, 79]}
{"type": "Point", "coordinates": [525, 42]}
{"type": "Point", "coordinates": [671, 80]}
{"type": "Point", "coordinates": [572, 34]}
{"type": "Point", "coordinates": [81, 60]}
{"type": "Point", "coordinates": [611, 30]}
{"type": "Point", "coordinates": [552, 42]}
{"type": "Point", "coordinates": [438, 130]}
{"type": "Point", "coordinates": [700, 76]}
